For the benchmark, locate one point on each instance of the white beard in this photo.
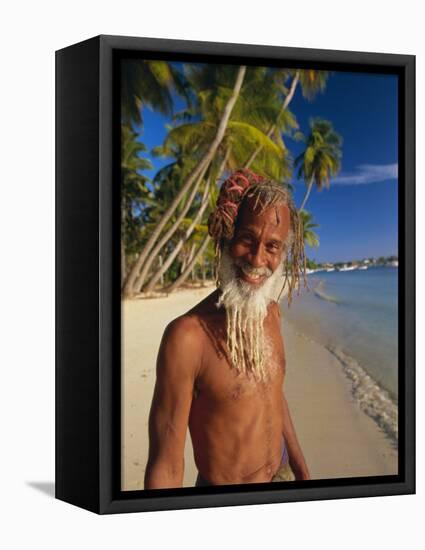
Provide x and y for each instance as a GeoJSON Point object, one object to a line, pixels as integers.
{"type": "Point", "coordinates": [246, 309]}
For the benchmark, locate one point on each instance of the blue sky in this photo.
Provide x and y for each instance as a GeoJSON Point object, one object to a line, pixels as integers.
{"type": "Point", "coordinates": [358, 214]}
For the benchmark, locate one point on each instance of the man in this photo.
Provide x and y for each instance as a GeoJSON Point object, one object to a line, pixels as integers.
{"type": "Point", "coordinates": [221, 366]}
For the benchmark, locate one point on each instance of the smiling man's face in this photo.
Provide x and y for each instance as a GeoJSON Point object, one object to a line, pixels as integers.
{"type": "Point", "coordinates": [258, 245]}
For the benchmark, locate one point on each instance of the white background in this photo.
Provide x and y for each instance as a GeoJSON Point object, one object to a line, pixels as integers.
{"type": "Point", "coordinates": [30, 32]}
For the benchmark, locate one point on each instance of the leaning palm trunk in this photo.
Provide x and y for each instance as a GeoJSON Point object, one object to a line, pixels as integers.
{"type": "Point", "coordinates": [273, 127]}
{"type": "Point", "coordinates": [189, 258]}
{"type": "Point", "coordinates": [140, 281]}
{"type": "Point", "coordinates": [200, 169]}
{"type": "Point", "coordinates": [198, 217]}
{"type": "Point", "coordinates": [181, 242]}
{"type": "Point", "coordinates": [178, 282]}
{"type": "Point", "coordinates": [307, 193]}
{"type": "Point", "coordinates": [184, 263]}
{"type": "Point", "coordinates": [130, 283]}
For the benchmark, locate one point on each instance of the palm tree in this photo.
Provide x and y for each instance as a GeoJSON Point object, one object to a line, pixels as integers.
{"type": "Point", "coordinates": [145, 82]}
{"type": "Point", "coordinates": [198, 254]}
{"type": "Point", "coordinates": [321, 158]}
{"type": "Point", "coordinates": [259, 108]}
{"type": "Point", "coordinates": [256, 109]}
{"type": "Point", "coordinates": [140, 270]}
{"type": "Point", "coordinates": [191, 224]}
{"type": "Point", "coordinates": [257, 105]}
{"type": "Point", "coordinates": [134, 191]}
{"type": "Point", "coordinates": [312, 82]}
{"type": "Point", "coordinates": [309, 235]}
{"type": "Point", "coordinates": [256, 121]}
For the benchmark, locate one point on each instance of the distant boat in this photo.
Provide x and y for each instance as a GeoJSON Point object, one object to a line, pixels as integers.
{"type": "Point", "coordinates": [348, 268]}
{"type": "Point", "coordinates": [329, 269]}
{"type": "Point", "coordinates": [363, 267]}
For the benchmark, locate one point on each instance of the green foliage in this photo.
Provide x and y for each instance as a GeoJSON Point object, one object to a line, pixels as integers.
{"type": "Point", "coordinates": [310, 236]}
{"type": "Point", "coordinates": [256, 109]}
{"type": "Point", "coordinates": [321, 158]}
{"type": "Point", "coordinates": [312, 82]}
{"type": "Point", "coordinates": [149, 83]}
{"type": "Point", "coordinates": [312, 264]}
{"type": "Point", "coordinates": [135, 193]}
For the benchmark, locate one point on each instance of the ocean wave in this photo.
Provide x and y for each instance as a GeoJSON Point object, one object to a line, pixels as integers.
{"type": "Point", "coordinates": [320, 293]}
{"type": "Point", "coordinates": [375, 401]}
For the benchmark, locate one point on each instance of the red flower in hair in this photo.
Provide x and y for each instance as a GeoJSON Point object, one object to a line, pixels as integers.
{"type": "Point", "coordinates": [222, 221]}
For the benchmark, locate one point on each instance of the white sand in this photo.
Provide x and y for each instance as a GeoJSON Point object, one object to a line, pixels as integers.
{"type": "Point", "coordinates": [337, 438]}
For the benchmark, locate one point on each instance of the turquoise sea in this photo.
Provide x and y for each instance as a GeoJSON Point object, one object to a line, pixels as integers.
{"type": "Point", "coordinates": [354, 315]}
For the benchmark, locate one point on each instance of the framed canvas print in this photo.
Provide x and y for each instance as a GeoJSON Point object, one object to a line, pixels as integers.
{"type": "Point", "coordinates": [235, 274]}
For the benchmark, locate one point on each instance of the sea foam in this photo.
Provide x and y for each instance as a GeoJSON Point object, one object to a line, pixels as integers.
{"type": "Point", "coordinates": [375, 401]}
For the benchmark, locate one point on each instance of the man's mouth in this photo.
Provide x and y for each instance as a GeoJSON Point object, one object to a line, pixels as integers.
{"type": "Point", "coordinates": [251, 276]}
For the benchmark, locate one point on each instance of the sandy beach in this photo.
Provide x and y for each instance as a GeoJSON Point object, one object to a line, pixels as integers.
{"type": "Point", "coordinates": [337, 437]}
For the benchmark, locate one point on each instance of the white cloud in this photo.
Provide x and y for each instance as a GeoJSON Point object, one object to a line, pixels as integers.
{"type": "Point", "coordinates": [368, 173]}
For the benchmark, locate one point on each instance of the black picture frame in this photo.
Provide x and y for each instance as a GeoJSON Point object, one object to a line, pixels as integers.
{"type": "Point", "coordinates": [87, 278]}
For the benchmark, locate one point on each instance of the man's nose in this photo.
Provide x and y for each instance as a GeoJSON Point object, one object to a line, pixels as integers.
{"type": "Point", "coordinates": [257, 257]}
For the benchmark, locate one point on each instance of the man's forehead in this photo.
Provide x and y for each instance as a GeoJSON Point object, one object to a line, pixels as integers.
{"type": "Point", "coordinates": [276, 217]}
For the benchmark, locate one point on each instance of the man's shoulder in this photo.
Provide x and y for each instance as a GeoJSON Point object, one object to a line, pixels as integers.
{"type": "Point", "coordinates": [184, 327]}
{"type": "Point", "coordinates": [187, 331]}
{"type": "Point", "coordinates": [181, 346]}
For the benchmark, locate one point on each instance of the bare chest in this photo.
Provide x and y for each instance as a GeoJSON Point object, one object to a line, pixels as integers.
{"type": "Point", "coordinates": [220, 382]}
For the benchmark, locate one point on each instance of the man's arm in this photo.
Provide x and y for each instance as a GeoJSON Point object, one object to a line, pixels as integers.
{"type": "Point", "coordinates": [296, 457]}
{"type": "Point", "coordinates": [177, 366]}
